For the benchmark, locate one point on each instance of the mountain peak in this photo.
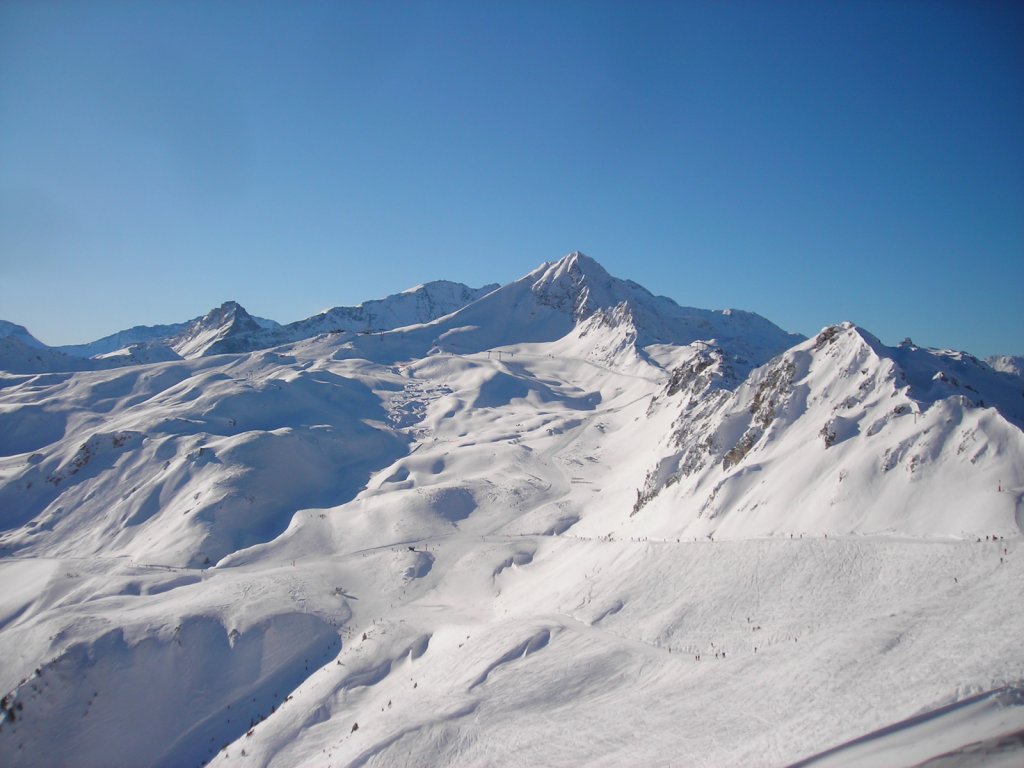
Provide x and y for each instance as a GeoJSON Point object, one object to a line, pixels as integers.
{"type": "Point", "coordinates": [575, 283]}
{"type": "Point", "coordinates": [229, 308]}
{"type": "Point", "coordinates": [211, 333]}
{"type": "Point", "coordinates": [232, 314]}
{"type": "Point", "coordinates": [579, 260]}
{"type": "Point", "coordinates": [576, 264]}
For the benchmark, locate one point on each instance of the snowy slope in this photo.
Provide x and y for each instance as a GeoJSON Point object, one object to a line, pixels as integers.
{"type": "Point", "coordinates": [136, 354]}
{"type": "Point", "coordinates": [181, 463]}
{"type": "Point", "coordinates": [138, 335]}
{"type": "Point", "coordinates": [142, 336]}
{"type": "Point", "coordinates": [575, 295]}
{"type": "Point", "coordinates": [419, 304]}
{"type": "Point", "coordinates": [19, 333]}
{"type": "Point", "coordinates": [1007, 363]}
{"type": "Point", "coordinates": [425, 547]}
{"type": "Point", "coordinates": [841, 435]}
{"type": "Point", "coordinates": [217, 331]}
{"type": "Point", "coordinates": [21, 352]}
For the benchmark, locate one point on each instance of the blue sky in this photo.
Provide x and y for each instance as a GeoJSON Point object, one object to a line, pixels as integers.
{"type": "Point", "coordinates": [813, 162]}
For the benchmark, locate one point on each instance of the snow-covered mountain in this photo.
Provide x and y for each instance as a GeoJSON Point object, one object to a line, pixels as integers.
{"type": "Point", "coordinates": [142, 336]}
{"type": "Point", "coordinates": [420, 304]}
{"type": "Point", "coordinates": [576, 297]}
{"type": "Point", "coordinates": [1007, 363]}
{"type": "Point", "coordinates": [417, 305]}
{"type": "Point", "coordinates": [21, 352]}
{"type": "Point", "coordinates": [135, 337]}
{"type": "Point", "coordinates": [565, 522]}
{"type": "Point", "coordinates": [230, 328]}
{"type": "Point", "coordinates": [19, 333]}
{"type": "Point", "coordinates": [219, 330]}
{"type": "Point", "coordinates": [864, 439]}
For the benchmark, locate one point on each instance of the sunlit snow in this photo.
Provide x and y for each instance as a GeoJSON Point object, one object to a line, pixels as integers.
{"type": "Point", "coordinates": [565, 522]}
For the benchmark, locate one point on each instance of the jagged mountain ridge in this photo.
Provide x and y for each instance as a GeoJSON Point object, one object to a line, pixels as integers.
{"type": "Point", "coordinates": [575, 295]}
{"type": "Point", "coordinates": [580, 282]}
{"type": "Point", "coordinates": [414, 306]}
{"type": "Point", "coordinates": [576, 287]}
{"type": "Point", "coordinates": [838, 414]}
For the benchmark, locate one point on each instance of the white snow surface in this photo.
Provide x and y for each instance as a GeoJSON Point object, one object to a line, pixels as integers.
{"type": "Point", "coordinates": [1007, 363]}
{"type": "Point", "coordinates": [570, 523]}
{"type": "Point", "coordinates": [840, 435]}
{"type": "Point", "coordinates": [21, 352]}
{"type": "Point", "coordinates": [140, 335]}
{"type": "Point", "coordinates": [983, 730]}
{"type": "Point", "coordinates": [19, 332]}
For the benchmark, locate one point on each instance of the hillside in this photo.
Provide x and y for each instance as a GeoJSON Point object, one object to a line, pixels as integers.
{"type": "Point", "coordinates": [867, 439]}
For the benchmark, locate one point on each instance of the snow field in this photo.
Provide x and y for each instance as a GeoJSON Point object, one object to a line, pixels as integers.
{"type": "Point", "coordinates": [982, 730]}
{"type": "Point", "coordinates": [604, 635]}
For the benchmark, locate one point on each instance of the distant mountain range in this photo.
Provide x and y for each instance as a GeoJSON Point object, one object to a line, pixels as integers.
{"type": "Point", "coordinates": [545, 303]}
{"type": "Point", "coordinates": [228, 328]}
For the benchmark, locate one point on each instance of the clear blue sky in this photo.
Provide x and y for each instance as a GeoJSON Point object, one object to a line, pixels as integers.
{"type": "Point", "coordinates": [813, 162]}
